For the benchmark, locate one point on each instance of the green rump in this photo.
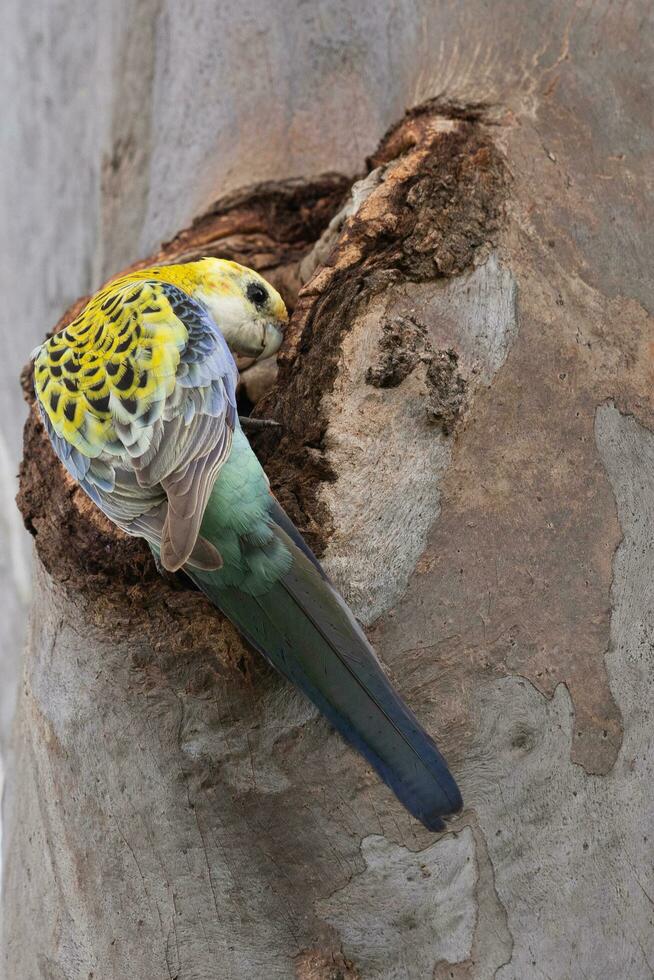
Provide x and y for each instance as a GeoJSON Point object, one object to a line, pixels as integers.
{"type": "Point", "coordinates": [237, 522]}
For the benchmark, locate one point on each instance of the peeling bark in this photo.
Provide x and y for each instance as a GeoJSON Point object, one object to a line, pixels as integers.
{"type": "Point", "coordinates": [464, 441]}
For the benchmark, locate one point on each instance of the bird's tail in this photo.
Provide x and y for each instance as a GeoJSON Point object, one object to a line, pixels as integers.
{"type": "Point", "coordinates": [303, 627]}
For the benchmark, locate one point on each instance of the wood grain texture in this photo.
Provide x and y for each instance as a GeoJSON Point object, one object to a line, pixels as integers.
{"type": "Point", "coordinates": [179, 811]}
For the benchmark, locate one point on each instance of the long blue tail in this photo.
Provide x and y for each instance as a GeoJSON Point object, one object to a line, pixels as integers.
{"type": "Point", "coordinates": [303, 627]}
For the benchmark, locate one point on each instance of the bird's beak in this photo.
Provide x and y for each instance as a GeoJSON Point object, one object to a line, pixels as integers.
{"type": "Point", "coordinates": [272, 340]}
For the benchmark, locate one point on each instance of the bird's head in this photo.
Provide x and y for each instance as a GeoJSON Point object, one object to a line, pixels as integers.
{"type": "Point", "coordinates": [248, 310]}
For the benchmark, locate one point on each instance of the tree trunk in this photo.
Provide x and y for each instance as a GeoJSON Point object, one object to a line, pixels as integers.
{"type": "Point", "coordinates": [465, 409]}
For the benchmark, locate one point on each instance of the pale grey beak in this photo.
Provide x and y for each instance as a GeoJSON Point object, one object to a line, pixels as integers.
{"type": "Point", "coordinates": [272, 340]}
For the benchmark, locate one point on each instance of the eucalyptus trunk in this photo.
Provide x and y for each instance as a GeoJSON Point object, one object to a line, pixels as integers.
{"type": "Point", "coordinates": [465, 406]}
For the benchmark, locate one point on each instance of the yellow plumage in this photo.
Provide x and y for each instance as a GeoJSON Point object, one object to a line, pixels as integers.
{"type": "Point", "coordinates": [118, 356]}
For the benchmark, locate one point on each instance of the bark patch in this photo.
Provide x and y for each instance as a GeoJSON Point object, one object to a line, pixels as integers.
{"type": "Point", "coordinates": [447, 390]}
{"type": "Point", "coordinates": [435, 212]}
{"type": "Point", "coordinates": [316, 964]}
{"type": "Point", "coordinates": [402, 347]}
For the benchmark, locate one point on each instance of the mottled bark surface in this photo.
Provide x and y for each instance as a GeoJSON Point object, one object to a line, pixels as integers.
{"type": "Point", "coordinates": [465, 399]}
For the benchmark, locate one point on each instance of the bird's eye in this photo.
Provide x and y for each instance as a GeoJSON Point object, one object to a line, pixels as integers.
{"type": "Point", "coordinates": [257, 294]}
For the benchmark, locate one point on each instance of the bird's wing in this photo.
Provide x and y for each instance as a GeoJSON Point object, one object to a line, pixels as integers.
{"type": "Point", "coordinates": [138, 398]}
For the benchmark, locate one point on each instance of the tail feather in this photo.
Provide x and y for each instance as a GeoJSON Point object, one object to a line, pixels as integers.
{"type": "Point", "coordinates": [303, 627]}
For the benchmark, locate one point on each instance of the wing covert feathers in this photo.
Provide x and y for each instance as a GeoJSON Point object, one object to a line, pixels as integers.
{"type": "Point", "coordinates": [138, 397]}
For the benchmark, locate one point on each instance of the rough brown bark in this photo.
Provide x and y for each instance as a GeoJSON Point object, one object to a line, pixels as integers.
{"type": "Point", "coordinates": [463, 471]}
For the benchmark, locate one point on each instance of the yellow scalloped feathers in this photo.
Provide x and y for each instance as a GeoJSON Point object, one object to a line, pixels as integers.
{"type": "Point", "coordinates": [117, 357]}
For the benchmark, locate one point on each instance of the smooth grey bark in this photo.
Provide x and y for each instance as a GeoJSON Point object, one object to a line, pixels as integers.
{"type": "Point", "coordinates": [165, 822]}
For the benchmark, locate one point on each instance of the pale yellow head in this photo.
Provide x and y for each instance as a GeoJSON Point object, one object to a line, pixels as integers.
{"type": "Point", "coordinates": [248, 310]}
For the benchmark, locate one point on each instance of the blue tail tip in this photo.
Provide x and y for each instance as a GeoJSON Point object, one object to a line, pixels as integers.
{"type": "Point", "coordinates": [436, 820]}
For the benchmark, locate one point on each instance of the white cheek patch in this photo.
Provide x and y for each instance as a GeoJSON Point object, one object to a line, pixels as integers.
{"type": "Point", "coordinates": [234, 318]}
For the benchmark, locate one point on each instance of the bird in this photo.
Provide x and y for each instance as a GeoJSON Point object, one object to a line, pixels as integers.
{"type": "Point", "coordinates": [138, 397]}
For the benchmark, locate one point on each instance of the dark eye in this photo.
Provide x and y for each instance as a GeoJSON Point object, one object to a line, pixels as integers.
{"type": "Point", "coordinates": [257, 294]}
